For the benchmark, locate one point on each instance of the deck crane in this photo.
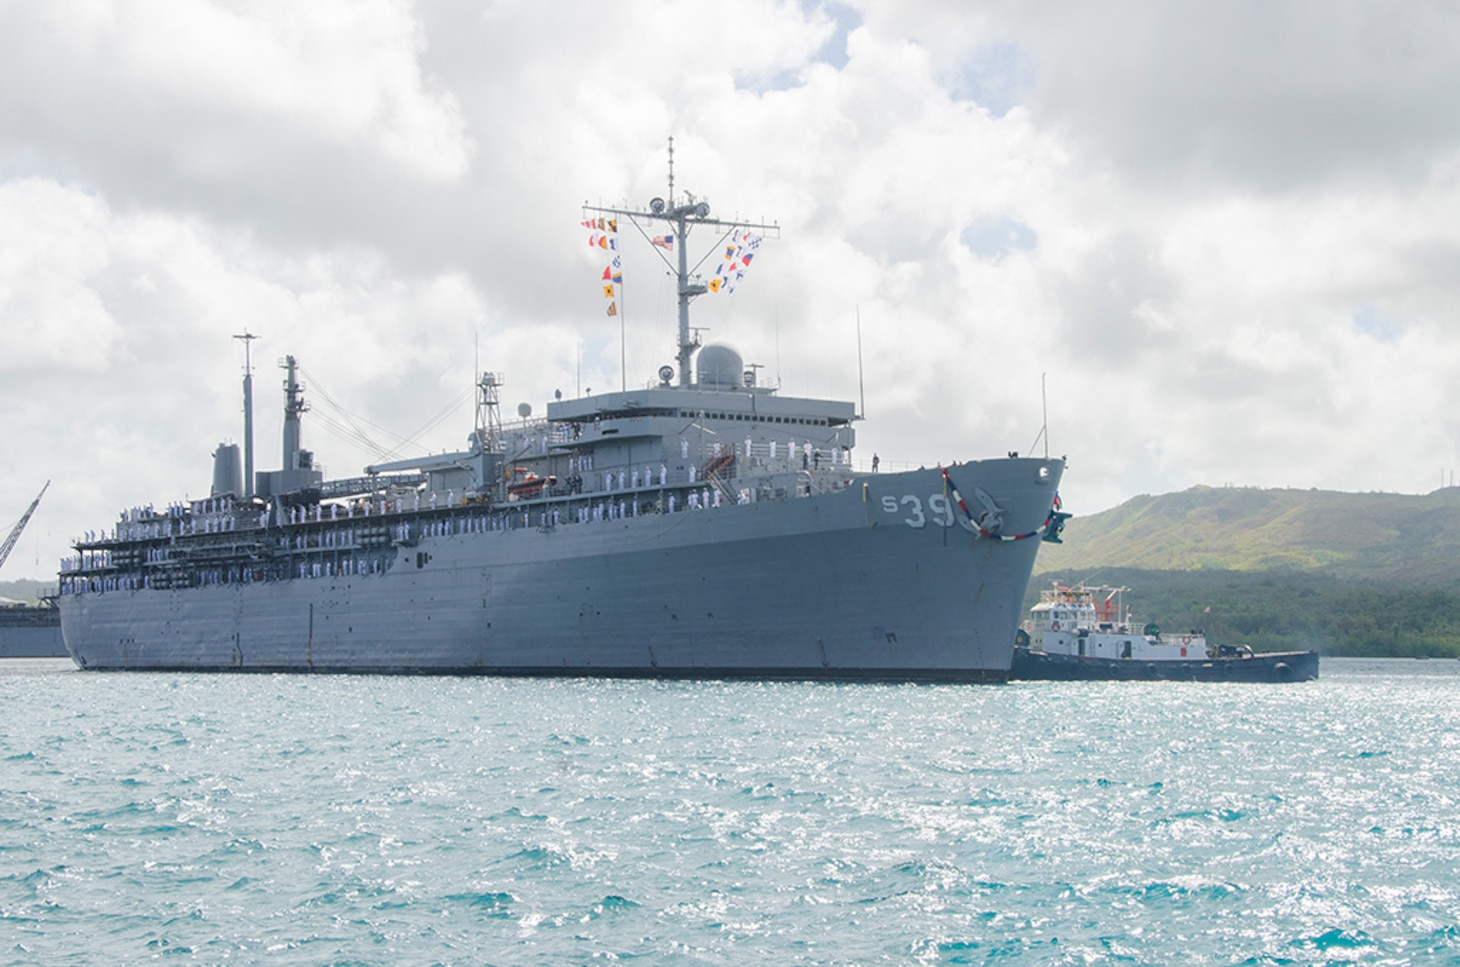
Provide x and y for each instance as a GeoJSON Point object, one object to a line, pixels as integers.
{"type": "Point", "coordinates": [10, 541]}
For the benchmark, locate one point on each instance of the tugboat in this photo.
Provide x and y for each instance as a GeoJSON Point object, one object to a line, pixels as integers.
{"type": "Point", "coordinates": [1084, 633]}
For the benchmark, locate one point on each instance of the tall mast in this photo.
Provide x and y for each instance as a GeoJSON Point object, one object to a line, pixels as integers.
{"type": "Point", "coordinates": [294, 405]}
{"type": "Point", "coordinates": [489, 416]}
{"type": "Point", "coordinates": [680, 218]}
{"type": "Point", "coordinates": [247, 338]}
{"type": "Point", "coordinates": [683, 216]}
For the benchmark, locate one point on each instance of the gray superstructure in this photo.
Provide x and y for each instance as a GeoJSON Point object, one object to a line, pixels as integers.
{"type": "Point", "coordinates": [702, 526]}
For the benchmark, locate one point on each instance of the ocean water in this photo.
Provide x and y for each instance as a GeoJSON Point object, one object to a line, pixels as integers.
{"type": "Point", "coordinates": [204, 819]}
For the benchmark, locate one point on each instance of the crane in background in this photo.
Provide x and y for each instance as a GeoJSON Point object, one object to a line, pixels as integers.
{"type": "Point", "coordinates": [14, 537]}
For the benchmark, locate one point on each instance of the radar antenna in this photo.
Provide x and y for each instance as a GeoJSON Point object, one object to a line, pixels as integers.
{"type": "Point", "coordinates": [683, 216]}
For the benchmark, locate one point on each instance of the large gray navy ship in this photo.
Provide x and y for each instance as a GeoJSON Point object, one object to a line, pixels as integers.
{"type": "Point", "coordinates": [700, 526]}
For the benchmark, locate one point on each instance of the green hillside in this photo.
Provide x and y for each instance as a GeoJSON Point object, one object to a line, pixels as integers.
{"type": "Point", "coordinates": [1389, 539]}
{"type": "Point", "coordinates": [1349, 574]}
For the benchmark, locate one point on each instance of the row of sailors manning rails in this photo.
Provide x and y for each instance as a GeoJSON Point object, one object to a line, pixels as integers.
{"type": "Point", "coordinates": [73, 582]}
{"type": "Point", "coordinates": [811, 459]}
{"type": "Point", "coordinates": [219, 514]}
{"type": "Point", "coordinates": [344, 540]}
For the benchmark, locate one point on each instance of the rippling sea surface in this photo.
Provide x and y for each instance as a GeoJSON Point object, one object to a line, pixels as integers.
{"type": "Point", "coordinates": [334, 819]}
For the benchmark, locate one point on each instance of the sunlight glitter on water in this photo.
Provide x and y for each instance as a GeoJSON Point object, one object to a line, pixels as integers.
{"type": "Point", "coordinates": [309, 819]}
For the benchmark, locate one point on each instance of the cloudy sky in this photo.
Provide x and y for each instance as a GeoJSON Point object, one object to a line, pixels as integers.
{"type": "Point", "coordinates": [1225, 235]}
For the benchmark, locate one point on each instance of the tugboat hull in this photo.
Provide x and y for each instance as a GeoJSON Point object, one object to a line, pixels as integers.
{"type": "Point", "coordinates": [1286, 666]}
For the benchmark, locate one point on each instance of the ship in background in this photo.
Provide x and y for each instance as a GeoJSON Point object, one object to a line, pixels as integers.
{"type": "Point", "coordinates": [701, 526]}
{"type": "Point", "coordinates": [29, 630]}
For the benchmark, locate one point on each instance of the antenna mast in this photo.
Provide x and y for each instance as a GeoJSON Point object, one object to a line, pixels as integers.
{"type": "Point", "coordinates": [247, 338]}
{"type": "Point", "coordinates": [1044, 427]}
{"type": "Point", "coordinates": [861, 386]}
{"type": "Point", "coordinates": [683, 218]}
{"type": "Point", "coordinates": [1044, 404]}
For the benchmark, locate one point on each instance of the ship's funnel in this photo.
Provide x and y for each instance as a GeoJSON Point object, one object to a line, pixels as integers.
{"type": "Point", "coordinates": [227, 471]}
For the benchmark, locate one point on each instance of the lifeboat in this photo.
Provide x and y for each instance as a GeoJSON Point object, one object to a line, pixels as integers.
{"type": "Point", "coordinates": [528, 485]}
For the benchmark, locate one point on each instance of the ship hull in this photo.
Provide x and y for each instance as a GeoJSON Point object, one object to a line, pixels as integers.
{"type": "Point", "coordinates": [31, 633]}
{"type": "Point", "coordinates": [878, 582]}
{"type": "Point", "coordinates": [1289, 666]}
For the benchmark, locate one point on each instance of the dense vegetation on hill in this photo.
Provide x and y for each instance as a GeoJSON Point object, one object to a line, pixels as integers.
{"type": "Point", "coordinates": [1349, 574]}
{"type": "Point", "coordinates": [1391, 539]}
